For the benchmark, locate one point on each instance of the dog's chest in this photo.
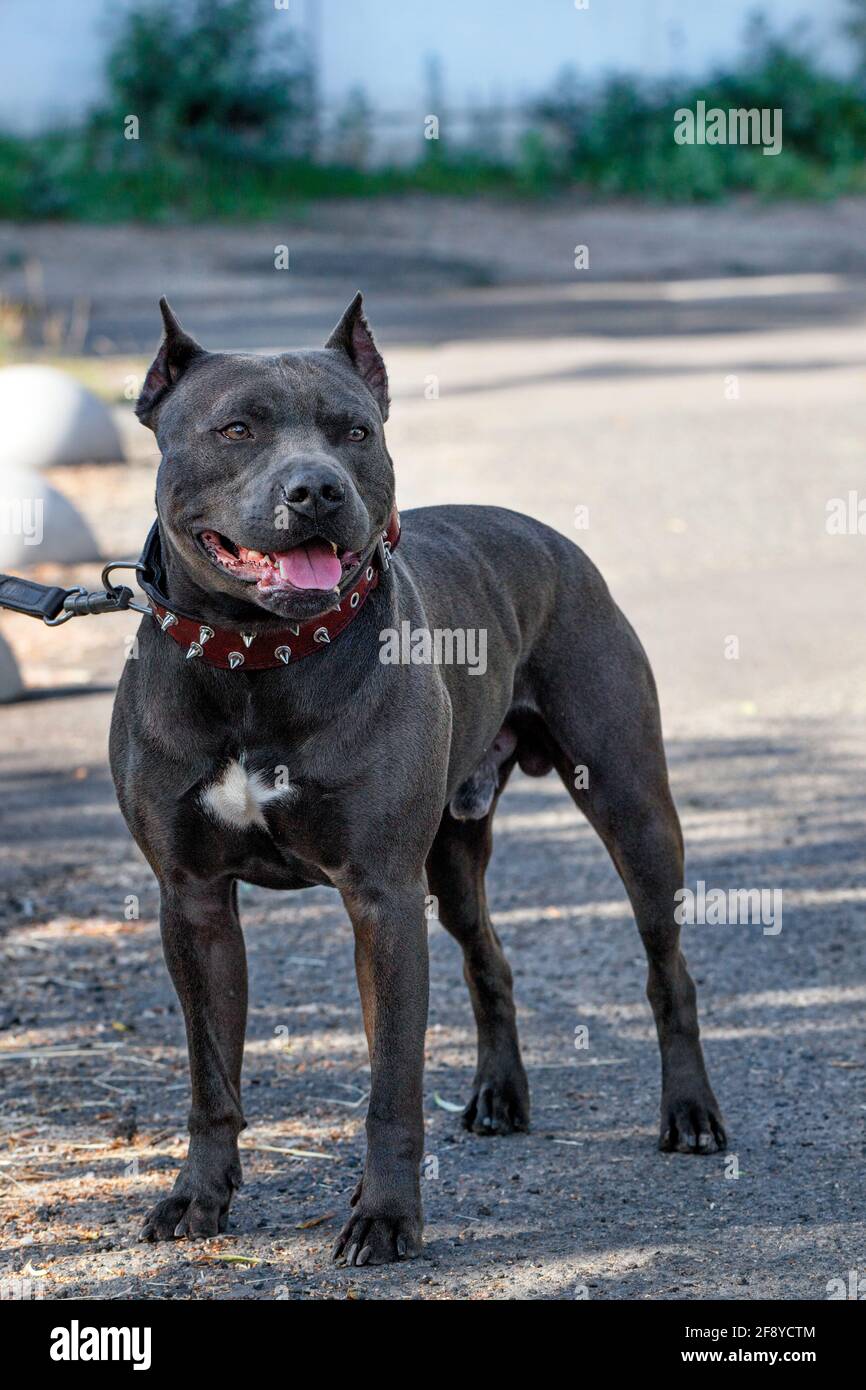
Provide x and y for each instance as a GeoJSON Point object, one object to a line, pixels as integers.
{"type": "Point", "coordinates": [238, 794]}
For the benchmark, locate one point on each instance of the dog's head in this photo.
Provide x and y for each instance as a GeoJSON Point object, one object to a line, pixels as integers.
{"type": "Point", "coordinates": [275, 478]}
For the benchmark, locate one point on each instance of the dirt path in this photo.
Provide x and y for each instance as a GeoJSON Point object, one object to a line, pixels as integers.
{"type": "Point", "coordinates": [583, 1203]}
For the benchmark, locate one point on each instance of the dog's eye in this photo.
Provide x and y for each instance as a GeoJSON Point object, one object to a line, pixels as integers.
{"type": "Point", "coordinates": [357, 433]}
{"type": "Point", "coordinates": [236, 430]}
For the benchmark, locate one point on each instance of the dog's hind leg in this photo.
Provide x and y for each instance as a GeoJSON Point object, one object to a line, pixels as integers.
{"type": "Point", "coordinates": [204, 951]}
{"type": "Point", "coordinates": [613, 764]}
{"type": "Point", "coordinates": [455, 875]}
{"type": "Point", "coordinates": [640, 826]}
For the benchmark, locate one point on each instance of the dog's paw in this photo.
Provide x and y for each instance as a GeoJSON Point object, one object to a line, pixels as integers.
{"type": "Point", "coordinates": [692, 1125]}
{"type": "Point", "coordinates": [367, 1239]}
{"type": "Point", "coordinates": [499, 1103]}
{"type": "Point", "coordinates": [198, 1204]}
{"type": "Point", "coordinates": [185, 1215]}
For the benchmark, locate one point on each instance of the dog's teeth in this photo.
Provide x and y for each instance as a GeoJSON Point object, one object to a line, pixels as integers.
{"type": "Point", "coordinates": [254, 555]}
{"type": "Point", "coordinates": [333, 546]}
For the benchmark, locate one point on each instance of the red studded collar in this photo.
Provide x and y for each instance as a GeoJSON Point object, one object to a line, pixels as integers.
{"type": "Point", "coordinates": [231, 650]}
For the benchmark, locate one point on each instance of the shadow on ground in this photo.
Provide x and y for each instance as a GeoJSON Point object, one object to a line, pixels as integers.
{"type": "Point", "coordinates": [584, 1205]}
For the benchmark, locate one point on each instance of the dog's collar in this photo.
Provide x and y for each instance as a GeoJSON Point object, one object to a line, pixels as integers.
{"type": "Point", "coordinates": [233, 650]}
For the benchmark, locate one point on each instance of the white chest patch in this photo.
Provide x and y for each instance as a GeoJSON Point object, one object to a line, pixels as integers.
{"type": "Point", "coordinates": [238, 797]}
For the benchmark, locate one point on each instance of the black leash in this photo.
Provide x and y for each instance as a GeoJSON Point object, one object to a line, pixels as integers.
{"type": "Point", "coordinates": [55, 605]}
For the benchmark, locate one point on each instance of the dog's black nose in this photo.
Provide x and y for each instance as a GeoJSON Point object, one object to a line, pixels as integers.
{"type": "Point", "coordinates": [315, 490]}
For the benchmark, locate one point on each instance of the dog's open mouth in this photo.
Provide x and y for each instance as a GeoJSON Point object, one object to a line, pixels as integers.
{"type": "Point", "coordinates": [316, 563]}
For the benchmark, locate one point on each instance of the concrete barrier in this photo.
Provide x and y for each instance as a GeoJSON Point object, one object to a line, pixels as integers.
{"type": "Point", "coordinates": [39, 525]}
{"type": "Point", "coordinates": [11, 684]}
{"type": "Point", "coordinates": [49, 419]}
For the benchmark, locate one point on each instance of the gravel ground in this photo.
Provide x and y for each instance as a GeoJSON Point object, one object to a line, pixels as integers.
{"type": "Point", "coordinates": [707, 516]}
{"type": "Point", "coordinates": [95, 1079]}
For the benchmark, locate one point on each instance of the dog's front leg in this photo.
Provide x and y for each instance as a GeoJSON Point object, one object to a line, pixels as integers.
{"type": "Point", "coordinates": [391, 961]}
{"type": "Point", "coordinates": [204, 951]}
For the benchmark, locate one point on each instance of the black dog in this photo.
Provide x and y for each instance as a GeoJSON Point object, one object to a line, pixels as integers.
{"type": "Point", "coordinates": [262, 737]}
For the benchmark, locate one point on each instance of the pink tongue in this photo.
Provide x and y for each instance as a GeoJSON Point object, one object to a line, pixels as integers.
{"type": "Point", "coordinates": [310, 566]}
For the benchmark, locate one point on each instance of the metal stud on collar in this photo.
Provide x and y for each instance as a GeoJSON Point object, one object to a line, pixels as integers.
{"type": "Point", "coordinates": [230, 649]}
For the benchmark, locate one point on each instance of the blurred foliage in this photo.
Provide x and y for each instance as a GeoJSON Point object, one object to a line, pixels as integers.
{"type": "Point", "coordinates": [207, 79]}
{"type": "Point", "coordinates": [617, 136]}
{"type": "Point", "coordinates": [228, 128]}
{"type": "Point", "coordinates": [855, 28]}
{"type": "Point", "coordinates": [224, 108]}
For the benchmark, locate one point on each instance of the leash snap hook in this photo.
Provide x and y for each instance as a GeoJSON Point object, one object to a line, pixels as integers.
{"type": "Point", "coordinates": [120, 594]}
{"type": "Point", "coordinates": [113, 598]}
{"type": "Point", "coordinates": [66, 613]}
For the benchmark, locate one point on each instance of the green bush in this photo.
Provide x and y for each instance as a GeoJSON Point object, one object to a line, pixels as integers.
{"type": "Point", "coordinates": [208, 80]}
{"type": "Point", "coordinates": [224, 100]}
{"type": "Point", "coordinates": [617, 136]}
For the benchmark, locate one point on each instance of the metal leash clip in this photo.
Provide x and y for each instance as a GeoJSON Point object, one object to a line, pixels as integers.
{"type": "Point", "coordinates": [56, 606]}
{"type": "Point", "coordinates": [113, 598]}
{"type": "Point", "coordinates": [110, 588]}
{"type": "Point", "coordinates": [383, 551]}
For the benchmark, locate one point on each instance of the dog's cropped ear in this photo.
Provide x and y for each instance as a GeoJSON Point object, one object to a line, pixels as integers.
{"type": "Point", "coordinates": [352, 336]}
{"type": "Point", "coordinates": [176, 351]}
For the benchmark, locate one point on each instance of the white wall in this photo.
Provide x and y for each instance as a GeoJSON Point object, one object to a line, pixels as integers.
{"type": "Point", "coordinates": [490, 49]}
